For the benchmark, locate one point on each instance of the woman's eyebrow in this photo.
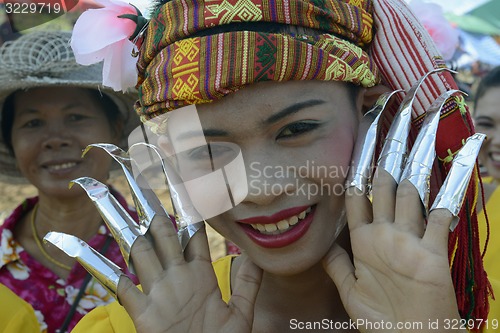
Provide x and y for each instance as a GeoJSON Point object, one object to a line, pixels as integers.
{"type": "Point", "coordinates": [206, 132]}
{"type": "Point", "coordinates": [292, 109]}
{"type": "Point", "coordinates": [483, 118]}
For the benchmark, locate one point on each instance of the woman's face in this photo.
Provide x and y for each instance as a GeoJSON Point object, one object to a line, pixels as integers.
{"type": "Point", "coordinates": [296, 140]}
{"type": "Point", "coordinates": [487, 121]}
{"type": "Point", "coordinates": [51, 127]}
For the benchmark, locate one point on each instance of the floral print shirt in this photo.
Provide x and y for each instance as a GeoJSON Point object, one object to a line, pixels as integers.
{"type": "Point", "coordinates": [51, 296]}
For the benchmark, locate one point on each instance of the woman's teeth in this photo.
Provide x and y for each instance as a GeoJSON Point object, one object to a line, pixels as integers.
{"type": "Point", "coordinates": [61, 166]}
{"type": "Point", "coordinates": [281, 226]}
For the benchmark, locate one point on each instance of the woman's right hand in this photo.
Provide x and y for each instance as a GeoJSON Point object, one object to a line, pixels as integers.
{"type": "Point", "coordinates": [179, 289]}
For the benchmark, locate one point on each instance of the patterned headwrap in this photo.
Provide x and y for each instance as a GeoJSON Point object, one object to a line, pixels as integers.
{"type": "Point", "coordinates": [182, 62]}
{"type": "Point", "coordinates": [198, 51]}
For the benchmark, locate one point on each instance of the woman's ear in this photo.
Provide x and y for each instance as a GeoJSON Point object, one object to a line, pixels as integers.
{"type": "Point", "coordinates": [369, 96]}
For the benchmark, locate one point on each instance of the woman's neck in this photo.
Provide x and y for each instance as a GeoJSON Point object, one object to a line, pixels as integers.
{"type": "Point", "coordinates": [75, 215]}
{"type": "Point", "coordinates": [285, 303]}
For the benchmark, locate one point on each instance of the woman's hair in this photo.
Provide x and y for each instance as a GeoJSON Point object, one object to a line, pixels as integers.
{"type": "Point", "coordinates": [110, 109]}
{"type": "Point", "coordinates": [490, 80]}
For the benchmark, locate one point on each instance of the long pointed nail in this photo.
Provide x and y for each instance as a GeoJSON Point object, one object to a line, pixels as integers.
{"type": "Point", "coordinates": [101, 268]}
{"type": "Point", "coordinates": [395, 149]}
{"type": "Point", "coordinates": [362, 159]}
{"type": "Point", "coordinates": [188, 220]}
{"type": "Point", "coordinates": [419, 164]}
{"type": "Point", "coordinates": [145, 200]}
{"type": "Point", "coordinates": [120, 223]}
{"type": "Point", "coordinates": [452, 192]}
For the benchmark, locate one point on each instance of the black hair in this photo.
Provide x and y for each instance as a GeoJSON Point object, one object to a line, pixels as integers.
{"type": "Point", "coordinates": [111, 110]}
{"type": "Point", "coordinates": [490, 80]}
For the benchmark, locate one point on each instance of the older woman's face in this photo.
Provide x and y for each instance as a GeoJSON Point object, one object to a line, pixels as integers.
{"type": "Point", "coordinates": [296, 140]}
{"type": "Point", "coordinates": [487, 121]}
{"type": "Point", "coordinates": [51, 127]}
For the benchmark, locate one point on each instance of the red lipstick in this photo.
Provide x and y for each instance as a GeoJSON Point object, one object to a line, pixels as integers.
{"type": "Point", "coordinates": [288, 237]}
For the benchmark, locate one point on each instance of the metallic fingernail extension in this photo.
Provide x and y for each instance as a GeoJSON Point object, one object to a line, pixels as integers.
{"type": "Point", "coordinates": [145, 200]}
{"type": "Point", "coordinates": [122, 226]}
{"type": "Point", "coordinates": [187, 218]}
{"type": "Point", "coordinates": [452, 192]}
{"type": "Point", "coordinates": [419, 164]}
{"type": "Point", "coordinates": [362, 158]}
{"type": "Point", "coordinates": [394, 152]}
{"type": "Point", "coordinates": [101, 268]}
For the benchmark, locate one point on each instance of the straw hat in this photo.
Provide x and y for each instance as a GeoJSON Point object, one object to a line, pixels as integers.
{"type": "Point", "coordinates": [45, 59]}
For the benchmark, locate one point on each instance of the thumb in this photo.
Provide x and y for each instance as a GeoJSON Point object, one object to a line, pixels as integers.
{"type": "Point", "coordinates": [246, 288]}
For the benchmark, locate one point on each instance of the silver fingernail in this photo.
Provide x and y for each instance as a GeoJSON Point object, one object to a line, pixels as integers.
{"type": "Point", "coordinates": [188, 220]}
{"type": "Point", "coordinates": [362, 158]}
{"type": "Point", "coordinates": [452, 193]}
{"type": "Point", "coordinates": [395, 149]}
{"type": "Point", "coordinates": [419, 164]}
{"type": "Point", "coordinates": [101, 268]}
{"type": "Point", "coordinates": [120, 223]}
{"type": "Point", "coordinates": [145, 200]}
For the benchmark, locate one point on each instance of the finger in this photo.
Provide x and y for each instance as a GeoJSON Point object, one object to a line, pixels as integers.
{"type": "Point", "coordinates": [106, 272]}
{"type": "Point", "coordinates": [437, 231]}
{"type": "Point", "coordinates": [123, 228]}
{"type": "Point", "coordinates": [358, 208]}
{"type": "Point", "coordinates": [146, 263]}
{"type": "Point", "coordinates": [449, 200]}
{"type": "Point", "coordinates": [419, 164]}
{"type": "Point", "coordinates": [384, 197]}
{"type": "Point", "coordinates": [453, 191]}
{"type": "Point", "coordinates": [409, 209]}
{"type": "Point", "coordinates": [132, 299]}
{"type": "Point", "coordinates": [246, 289]}
{"type": "Point", "coordinates": [339, 267]}
{"type": "Point", "coordinates": [361, 169]}
{"type": "Point", "coordinates": [166, 241]}
{"type": "Point", "coordinates": [198, 248]}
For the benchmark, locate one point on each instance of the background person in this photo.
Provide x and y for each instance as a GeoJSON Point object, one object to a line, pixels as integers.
{"type": "Point", "coordinates": [487, 121]}
{"type": "Point", "coordinates": [52, 108]}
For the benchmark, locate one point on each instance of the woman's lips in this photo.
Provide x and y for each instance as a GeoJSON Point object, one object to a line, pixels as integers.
{"type": "Point", "coordinates": [60, 168]}
{"type": "Point", "coordinates": [280, 229]}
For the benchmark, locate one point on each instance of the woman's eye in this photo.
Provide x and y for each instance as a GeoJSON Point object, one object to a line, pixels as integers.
{"type": "Point", "coordinates": [76, 117]}
{"type": "Point", "coordinates": [296, 129]}
{"type": "Point", "coordinates": [209, 151]}
{"type": "Point", "coordinates": [32, 123]}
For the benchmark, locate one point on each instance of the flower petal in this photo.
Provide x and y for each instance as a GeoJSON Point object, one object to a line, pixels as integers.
{"type": "Point", "coordinates": [119, 70]}
{"type": "Point", "coordinates": [89, 35]}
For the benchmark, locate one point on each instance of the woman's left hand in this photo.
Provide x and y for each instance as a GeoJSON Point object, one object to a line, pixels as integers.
{"type": "Point", "coordinates": [400, 273]}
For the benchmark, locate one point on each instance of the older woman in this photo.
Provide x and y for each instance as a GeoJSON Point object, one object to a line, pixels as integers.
{"type": "Point", "coordinates": [52, 108]}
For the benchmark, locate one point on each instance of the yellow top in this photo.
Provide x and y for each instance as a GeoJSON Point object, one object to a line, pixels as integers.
{"type": "Point", "coordinates": [16, 315]}
{"type": "Point", "coordinates": [492, 257]}
{"type": "Point", "coordinates": [114, 318]}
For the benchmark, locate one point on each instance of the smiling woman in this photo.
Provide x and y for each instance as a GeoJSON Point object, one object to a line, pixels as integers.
{"type": "Point", "coordinates": [51, 109]}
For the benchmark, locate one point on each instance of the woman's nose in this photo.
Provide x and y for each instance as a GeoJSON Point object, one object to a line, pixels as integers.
{"type": "Point", "coordinates": [56, 137]}
{"type": "Point", "coordinates": [266, 182]}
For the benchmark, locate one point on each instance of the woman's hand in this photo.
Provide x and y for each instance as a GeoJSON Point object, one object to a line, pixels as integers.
{"type": "Point", "coordinates": [401, 273]}
{"type": "Point", "coordinates": [180, 291]}
{"type": "Point", "coordinates": [400, 278]}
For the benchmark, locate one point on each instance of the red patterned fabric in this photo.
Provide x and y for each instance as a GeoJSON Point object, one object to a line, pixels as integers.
{"type": "Point", "coordinates": [50, 296]}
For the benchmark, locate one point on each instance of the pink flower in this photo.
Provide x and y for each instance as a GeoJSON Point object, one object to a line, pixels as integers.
{"type": "Point", "coordinates": [99, 34]}
{"type": "Point", "coordinates": [442, 32]}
